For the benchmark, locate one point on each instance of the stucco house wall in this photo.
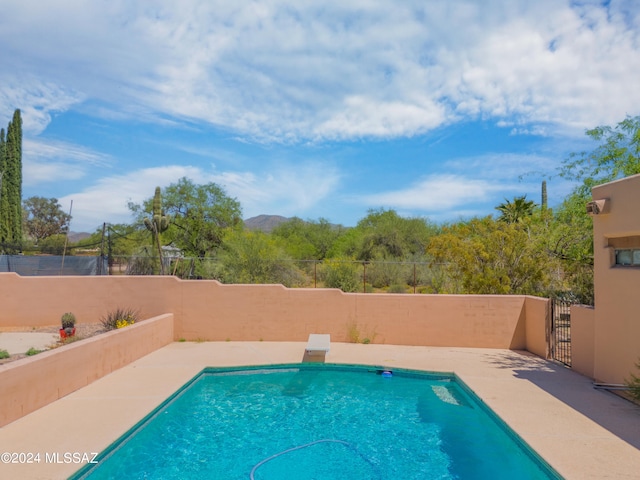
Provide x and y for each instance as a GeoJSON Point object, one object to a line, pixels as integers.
{"type": "Point", "coordinates": [617, 288]}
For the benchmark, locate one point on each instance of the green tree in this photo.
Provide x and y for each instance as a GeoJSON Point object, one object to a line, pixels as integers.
{"type": "Point", "coordinates": [255, 257]}
{"type": "Point", "coordinates": [308, 240]}
{"type": "Point", "coordinates": [616, 156]}
{"type": "Point", "coordinates": [516, 211]}
{"type": "Point", "coordinates": [11, 185]}
{"type": "Point", "coordinates": [127, 248]}
{"type": "Point", "coordinates": [485, 256]}
{"type": "Point", "coordinates": [633, 383]}
{"type": "Point", "coordinates": [43, 217]}
{"type": "Point", "coordinates": [294, 234]}
{"type": "Point", "coordinates": [387, 235]}
{"type": "Point", "coordinates": [347, 244]}
{"type": "Point", "coordinates": [569, 239]}
{"type": "Point", "coordinates": [341, 273]}
{"type": "Point", "coordinates": [199, 216]}
{"type": "Point", "coordinates": [53, 244]}
{"type": "Point", "coordinates": [116, 240]}
{"type": "Point", "coordinates": [13, 178]}
{"type": "Point", "coordinates": [4, 199]}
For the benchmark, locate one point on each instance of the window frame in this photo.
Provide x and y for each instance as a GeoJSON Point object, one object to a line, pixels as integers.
{"type": "Point", "coordinates": [634, 257]}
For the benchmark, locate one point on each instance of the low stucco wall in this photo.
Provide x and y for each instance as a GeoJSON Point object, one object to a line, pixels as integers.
{"type": "Point", "coordinates": [583, 339]}
{"type": "Point", "coordinates": [275, 313]}
{"type": "Point", "coordinates": [538, 325]}
{"type": "Point", "coordinates": [30, 383]}
{"type": "Point", "coordinates": [41, 301]}
{"type": "Point", "coordinates": [208, 310]}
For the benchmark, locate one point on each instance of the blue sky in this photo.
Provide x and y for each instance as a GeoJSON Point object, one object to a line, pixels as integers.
{"type": "Point", "coordinates": [437, 109]}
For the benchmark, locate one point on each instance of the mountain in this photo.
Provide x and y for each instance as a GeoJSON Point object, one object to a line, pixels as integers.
{"type": "Point", "coordinates": [265, 223]}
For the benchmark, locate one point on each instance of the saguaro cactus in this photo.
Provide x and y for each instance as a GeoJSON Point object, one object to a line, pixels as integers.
{"type": "Point", "coordinates": [157, 224]}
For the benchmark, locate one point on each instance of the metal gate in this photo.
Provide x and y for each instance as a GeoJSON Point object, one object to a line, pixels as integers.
{"type": "Point", "coordinates": [560, 338]}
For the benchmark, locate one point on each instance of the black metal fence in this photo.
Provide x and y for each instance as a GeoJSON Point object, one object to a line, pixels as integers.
{"type": "Point", "coordinates": [560, 338]}
{"type": "Point", "coordinates": [348, 275]}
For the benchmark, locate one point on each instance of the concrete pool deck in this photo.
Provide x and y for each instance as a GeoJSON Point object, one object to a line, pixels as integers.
{"type": "Point", "coordinates": [582, 432]}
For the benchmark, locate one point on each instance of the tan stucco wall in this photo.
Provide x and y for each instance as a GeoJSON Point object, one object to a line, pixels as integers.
{"type": "Point", "coordinates": [208, 310]}
{"type": "Point", "coordinates": [256, 312]}
{"type": "Point", "coordinates": [538, 325]}
{"type": "Point", "coordinates": [617, 298]}
{"type": "Point", "coordinates": [30, 383]}
{"type": "Point", "coordinates": [583, 339]}
{"type": "Point", "coordinates": [40, 301]}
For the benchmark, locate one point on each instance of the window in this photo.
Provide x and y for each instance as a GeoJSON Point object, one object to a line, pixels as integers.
{"type": "Point", "coordinates": [628, 257]}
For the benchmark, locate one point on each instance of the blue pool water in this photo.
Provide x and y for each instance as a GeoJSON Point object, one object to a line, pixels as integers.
{"type": "Point", "coordinates": [320, 422]}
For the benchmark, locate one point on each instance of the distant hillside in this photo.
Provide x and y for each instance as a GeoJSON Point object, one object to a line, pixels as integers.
{"type": "Point", "coordinates": [265, 223]}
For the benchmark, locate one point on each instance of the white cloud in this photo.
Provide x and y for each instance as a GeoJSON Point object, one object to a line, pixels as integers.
{"type": "Point", "coordinates": [277, 70]}
{"type": "Point", "coordinates": [472, 186]}
{"type": "Point", "coordinates": [106, 200]}
{"type": "Point", "coordinates": [287, 190]}
{"type": "Point", "coordinates": [54, 161]}
{"type": "Point", "coordinates": [435, 193]}
{"type": "Point", "coordinates": [37, 100]}
{"type": "Point", "coordinates": [362, 117]}
{"type": "Point", "coordinates": [502, 167]}
{"type": "Point", "coordinates": [514, 174]}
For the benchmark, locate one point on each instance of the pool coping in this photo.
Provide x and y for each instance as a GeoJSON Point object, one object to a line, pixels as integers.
{"type": "Point", "coordinates": [581, 432]}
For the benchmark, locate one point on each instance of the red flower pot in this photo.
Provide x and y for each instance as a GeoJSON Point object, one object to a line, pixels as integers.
{"type": "Point", "coordinates": [64, 334]}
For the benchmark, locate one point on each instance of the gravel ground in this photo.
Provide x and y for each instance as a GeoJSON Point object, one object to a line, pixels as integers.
{"type": "Point", "coordinates": [83, 330]}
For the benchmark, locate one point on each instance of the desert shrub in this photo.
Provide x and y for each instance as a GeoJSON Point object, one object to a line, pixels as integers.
{"type": "Point", "coordinates": [119, 318]}
{"type": "Point", "coordinates": [634, 384]}
{"type": "Point", "coordinates": [382, 274]}
{"type": "Point", "coordinates": [53, 245]}
{"type": "Point", "coordinates": [145, 262]}
{"type": "Point", "coordinates": [4, 354]}
{"type": "Point", "coordinates": [32, 351]}
{"type": "Point", "coordinates": [255, 257]}
{"type": "Point", "coordinates": [395, 288]}
{"type": "Point", "coordinates": [353, 332]}
{"type": "Point", "coordinates": [360, 334]}
{"type": "Point", "coordinates": [342, 274]}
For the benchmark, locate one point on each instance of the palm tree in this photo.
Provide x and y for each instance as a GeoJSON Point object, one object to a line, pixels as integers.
{"type": "Point", "coordinates": [516, 211]}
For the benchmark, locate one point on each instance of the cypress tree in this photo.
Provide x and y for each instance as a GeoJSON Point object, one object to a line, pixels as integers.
{"type": "Point", "coordinates": [12, 184]}
{"type": "Point", "coordinates": [544, 195]}
{"type": "Point", "coordinates": [4, 201]}
{"type": "Point", "coordinates": [17, 172]}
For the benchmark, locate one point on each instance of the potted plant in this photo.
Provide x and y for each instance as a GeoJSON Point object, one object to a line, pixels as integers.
{"type": "Point", "coordinates": [68, 325]}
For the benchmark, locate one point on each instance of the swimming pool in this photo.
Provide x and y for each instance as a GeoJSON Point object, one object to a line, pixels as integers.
{"type": "Point", "coordinates": [320, 421]}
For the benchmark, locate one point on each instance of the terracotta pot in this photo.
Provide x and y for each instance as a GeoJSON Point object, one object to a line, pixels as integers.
{"type": "Point", "coordinates": [64, 334]}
